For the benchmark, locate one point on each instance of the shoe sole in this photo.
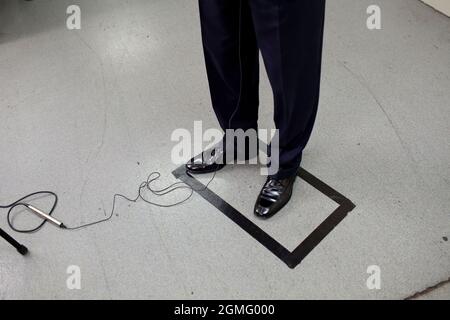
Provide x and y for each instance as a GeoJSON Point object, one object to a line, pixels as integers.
{"type": "Point", "coordinates": [205, 171]}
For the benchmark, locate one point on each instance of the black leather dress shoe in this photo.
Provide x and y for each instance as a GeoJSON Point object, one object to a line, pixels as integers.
{"type": "Point", "coordinates": [215, 159]}
{"type": "Point", "coordinates": [207, 162]}
{"type": "Point", "coordinates": [274, 196]}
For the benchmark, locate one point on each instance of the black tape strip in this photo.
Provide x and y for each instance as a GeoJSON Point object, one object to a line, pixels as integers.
{"type": "Point", "coordinates": [324, 188]}
{"type": "Point", "coordinates": [294, 258]}
{"type": "Point", "coordinates": [318, 235]}
{"type": "Point", "coordinates": [256, 232]}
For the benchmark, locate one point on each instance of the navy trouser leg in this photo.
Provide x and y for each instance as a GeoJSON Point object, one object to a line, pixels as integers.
{"type": "Point", "coordinates": [232, 62]}
{"type": "Point", "coordinates": [289, 34]}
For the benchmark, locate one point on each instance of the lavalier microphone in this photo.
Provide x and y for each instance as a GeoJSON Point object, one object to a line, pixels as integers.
{"type": "Point", "coordinates": [45, 216]}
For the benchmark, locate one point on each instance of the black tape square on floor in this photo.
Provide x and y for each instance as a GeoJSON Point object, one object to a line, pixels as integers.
{"type": "Point", "coordinates": [294, 258]}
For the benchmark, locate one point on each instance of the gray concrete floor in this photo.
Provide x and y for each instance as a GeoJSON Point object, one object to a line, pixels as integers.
{"type": "Point", "coordinates": [436, 293]}
{"type": "Point", "coordinates": [89, 113]}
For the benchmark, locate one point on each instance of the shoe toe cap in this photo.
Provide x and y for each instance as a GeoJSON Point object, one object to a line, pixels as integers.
{"type": "Point", "coordinates": [261, 211]}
